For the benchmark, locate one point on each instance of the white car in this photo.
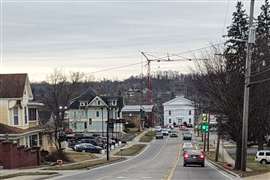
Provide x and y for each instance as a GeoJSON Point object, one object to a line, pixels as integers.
{"type": "Point", "coordinates": [165, 132]}
{"type": "Point", "coordinates": [263, 156]}
{"type": "Point", "coordinates": [158, 128]}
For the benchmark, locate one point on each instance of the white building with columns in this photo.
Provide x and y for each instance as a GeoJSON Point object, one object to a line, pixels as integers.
{"type": "Point", "coordinates": [179, 110]}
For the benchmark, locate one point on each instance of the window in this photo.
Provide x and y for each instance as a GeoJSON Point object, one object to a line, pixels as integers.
{"type": "Point", "coordinates": [32, 114]}
{"type": "Point", "coordinates": [90, 121]}
{"type": "Point", "coordinates": [189, 121]}
{"type": "Point", "coordinates": [33, 140]}
{"type": "Point", "coordinates": [25, 115]}
{"type": "Point", "coordinates": [261, 153]}
{"type": "Point", "coordinates": [75, 115]}
{"type": "Point", "coordinates": [189, 112]}
{"type": "Point", "coordinates": [170, 113]}
{"type": "Point", "coordinates": [97, 113]}
{"type": "Point", "coordinates": [267, 153]}
{"type": "Point", "coordinates": [15, 116]}
{"type": "Point", "coordinates": [98, 102]}
{"type": "Point", "coordinates": [86, 113]}
{"type": "Point", "coordinates": [170, 121]}
{"type": "Point", "coordinates": [85, 125]}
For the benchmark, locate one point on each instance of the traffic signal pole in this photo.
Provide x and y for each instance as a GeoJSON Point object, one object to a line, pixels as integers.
{"type": "Point", "coordinates": [208, 132]}
{"type": "Point", "coordinates": [246, 91]}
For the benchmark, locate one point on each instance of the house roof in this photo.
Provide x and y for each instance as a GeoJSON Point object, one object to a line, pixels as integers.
{"type": "Point", "coordinates": [87, 95]}
{"type": "Point", "coordinates": [136, 108]}
{"type": "Point", "coordinates": [12, 85]}
{"type": "Point", "coordinates": [179, 100]}
{"type": "Point", "coordinates": [5, 129]}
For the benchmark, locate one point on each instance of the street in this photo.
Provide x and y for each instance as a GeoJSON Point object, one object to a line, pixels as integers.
{"type": "Point", "coordinates": [158, 161]}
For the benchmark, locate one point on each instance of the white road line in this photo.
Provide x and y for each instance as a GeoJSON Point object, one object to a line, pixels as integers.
{"type": "Point", "coordinates": [219, 171]}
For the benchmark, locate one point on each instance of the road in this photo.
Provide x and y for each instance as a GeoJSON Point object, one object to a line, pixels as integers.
{"type": "Point", "coordinates": [158, 162]}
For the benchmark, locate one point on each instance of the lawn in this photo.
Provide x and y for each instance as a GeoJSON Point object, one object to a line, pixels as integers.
{"type": "Point", "coordinates": [148, 137]}
{"type": "Point", "coordinates": [132, 150]}
{"type": "Point", "coordinates": [27, 174]}
{"type": "Point", "coordinates": [85, 164]}
{"type": "Point", "coordinates": [74, 156]}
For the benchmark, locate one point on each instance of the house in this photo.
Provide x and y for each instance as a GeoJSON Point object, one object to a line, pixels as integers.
{"type": "Point", "coordinates": [19, 114]}
{"type": "Point", "coordinates": [178, 111]}
{"type": "Point", "coordinates": [89, 113]}
{"type": "Point", "coordinates": [140, 115]}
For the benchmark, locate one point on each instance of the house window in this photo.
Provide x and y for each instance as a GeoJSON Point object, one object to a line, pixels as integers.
{"type": "Point", "coordinates": [15, 116]}
{"type": "Point", "coordinates": [33, 140]}
{"type": "Point", "coordinates": [170, 113]}
{"type": "Point", "coordinates": [90, 121]}
{"type": "Point", "coordinates": [97, 113]}
{"type": "Point", "coordinates": [170, 121]}
{"type": "Point", "coordinates": [85, 125]}
{"type": "Point", "coordinates": [32, 114]}
{"type": "Point", "coordinates": [98, 102]}
{"type": "Point", "coordinates": [25, 115]}
{"type": "Point", "coordinates": [75, 115]}
{"type": "Point", "coordinates": [189, 112]}
{"type": "Point", "coordinates": [189, 121]}
{"type": "Point", "coordinates": [86, 114]}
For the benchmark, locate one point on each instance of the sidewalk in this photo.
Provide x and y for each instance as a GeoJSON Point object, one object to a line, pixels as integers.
{"type": "Point", "coordinates": [259, 177]}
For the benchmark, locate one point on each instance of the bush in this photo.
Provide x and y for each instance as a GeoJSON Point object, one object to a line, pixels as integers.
{"type": "Point", "coordinates": [57, 155]}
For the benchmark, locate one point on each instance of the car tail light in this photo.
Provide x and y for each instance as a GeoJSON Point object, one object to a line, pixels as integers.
{"type": "Point", "coordinates": [186, 155]}
{"type": "Point", "coordinates": [202, 156]}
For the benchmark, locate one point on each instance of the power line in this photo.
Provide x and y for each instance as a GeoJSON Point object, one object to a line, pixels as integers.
{"type": "Point", "coordinates": [259, 81]}
{"type": "Point", "coordinates": [116, 67]}
{"type": "Point", "coordinates": [258, 73]}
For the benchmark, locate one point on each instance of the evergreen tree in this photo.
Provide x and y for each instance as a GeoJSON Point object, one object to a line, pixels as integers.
{"type": "Point", "coordinates": [235, 54]}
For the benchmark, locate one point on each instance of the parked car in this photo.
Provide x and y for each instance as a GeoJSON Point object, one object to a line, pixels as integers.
{"type": "Point", "coordinates": [173, 134]}
{"type": "Point", "coordinates": [194, 157]}
{"type": "Point", "coordinates": [263, 156]}
{"type": "Point", "coordinates": [189, 126]}
{"type": "Point", "coordinates": [158, 128]}
{"type": "Point", "coordinates": [165, 132]}
{"type": "Point", "coordinates": [87, 147]}
{"type": "Point", "coordinates": [187, 136]}
{"type": "Point", "coordinates": [159, 135]}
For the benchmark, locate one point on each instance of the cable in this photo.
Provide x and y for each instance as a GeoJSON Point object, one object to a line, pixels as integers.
{"type": "Point", "coordinates": [117, 67]}
{"type": "Point", "coordinates": [259, 81]}
{"type": "Point", "coordinates": [258, 73]}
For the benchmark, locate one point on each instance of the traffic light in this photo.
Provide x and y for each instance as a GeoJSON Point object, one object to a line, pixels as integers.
{"type": "Point", "coordinates": [204, 118]}
{"type": "Point", "coordinates": [205, 127]}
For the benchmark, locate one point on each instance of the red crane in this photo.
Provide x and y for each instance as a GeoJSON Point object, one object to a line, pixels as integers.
{"type": "Point", "coordinates": [157, 59]}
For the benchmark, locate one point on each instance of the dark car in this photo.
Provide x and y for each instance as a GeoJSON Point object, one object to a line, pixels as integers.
{"type": "Point", "coordinates": [187, 136]}
{"type": "Point", "coordinates": [86, 147]}
{"type": "Point", "coordinates": [194, 157]}
{"type": "Point", "coordinates": [159, 135]}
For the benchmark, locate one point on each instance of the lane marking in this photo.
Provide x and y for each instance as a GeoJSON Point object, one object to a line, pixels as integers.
{"type": "Point", "coordinates": [219, 171]}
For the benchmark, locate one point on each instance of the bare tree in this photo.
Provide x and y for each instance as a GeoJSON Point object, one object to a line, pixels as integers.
{"type": "Point", "coordinates": [60, 89]}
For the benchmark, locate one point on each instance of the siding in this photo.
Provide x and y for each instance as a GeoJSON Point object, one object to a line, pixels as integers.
{"type": "Point", "coordinates": [4, 111]}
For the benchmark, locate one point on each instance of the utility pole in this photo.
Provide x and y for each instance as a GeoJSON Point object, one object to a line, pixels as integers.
{"type": "Point", "coordinates": [107, 133]}
{"type": "Point", "coordinates": [208, 133]}
{"type": "Point", "coordinates": [250, 42]}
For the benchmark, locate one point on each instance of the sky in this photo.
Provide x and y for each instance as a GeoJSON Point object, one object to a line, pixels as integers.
{"type": "Point", "coordinates": [94, 37]}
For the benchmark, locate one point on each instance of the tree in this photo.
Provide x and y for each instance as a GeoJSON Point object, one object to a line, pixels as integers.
{"type": "Point", "coordinates": [60, 89]}
{"type": "Point", "coordinates": [260, 96]}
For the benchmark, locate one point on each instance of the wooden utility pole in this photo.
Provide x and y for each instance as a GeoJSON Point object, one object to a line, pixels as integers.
{"type": "Point", "coordinates": [208, 133]}
{"type": "Point", "coordinates": [251, 41]}
{"type": "Point", "coordinates": [217, 148]}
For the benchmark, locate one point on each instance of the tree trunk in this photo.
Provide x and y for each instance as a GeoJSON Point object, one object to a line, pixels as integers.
{"type": "Point", "coordinates": [237, 165]}
{"type": "Point", "coordinates": [260, 142]}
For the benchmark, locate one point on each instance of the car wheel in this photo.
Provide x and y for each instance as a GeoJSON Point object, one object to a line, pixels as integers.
{"type": "Point", "coordinates": [185, 165]}
{"type": "Point", "coordinates": [263, 161]}
{"type": "Point", "coordinates": [202, 165]}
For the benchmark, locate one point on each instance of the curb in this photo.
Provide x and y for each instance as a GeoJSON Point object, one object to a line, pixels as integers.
{"type": "Point", "coordinates": [223, 169]}
{"type": "Point", "coordinates": [51, 176]}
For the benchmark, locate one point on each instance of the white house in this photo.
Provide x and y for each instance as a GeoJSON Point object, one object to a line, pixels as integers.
{"type": "Point", "coordinates": [89, 113]}
{"type": "Point", "coordinates": [178, 111]}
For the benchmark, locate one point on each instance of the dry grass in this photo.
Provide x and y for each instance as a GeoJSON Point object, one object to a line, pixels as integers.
{"type": "Point", "coordinates": [74, 156]}
{"type": "Point", "coordinates": [85, 164]}
{"type": "Point", "coordinates": [132, 150]}
{"type": "Point", "coordinates": [148, 137]}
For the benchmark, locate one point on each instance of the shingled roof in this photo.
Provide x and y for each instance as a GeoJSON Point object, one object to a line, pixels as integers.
{"type": "Point", "coordinates": [5, 129]}
{"type": "Point", "coordinates": [12, 85]}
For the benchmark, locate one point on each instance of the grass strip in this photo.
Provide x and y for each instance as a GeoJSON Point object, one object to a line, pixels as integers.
{"type": "Point", "coordinates": [148, 137]}
{"type": "Point", "coordinates": [132, 150]}
{"type": "Point", "coordinates": [27, 174]}
{"type": "Point", "coordinates": [86, 164]}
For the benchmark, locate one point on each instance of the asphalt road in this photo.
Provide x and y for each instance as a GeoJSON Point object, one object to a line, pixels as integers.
{"type": "Point", "coordinates": [162, 160]}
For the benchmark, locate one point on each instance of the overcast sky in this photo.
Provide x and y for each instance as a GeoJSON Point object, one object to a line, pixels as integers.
{"type": "Point", "coordinates": [88, 36]}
